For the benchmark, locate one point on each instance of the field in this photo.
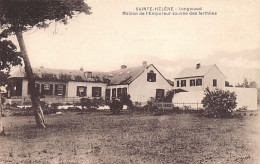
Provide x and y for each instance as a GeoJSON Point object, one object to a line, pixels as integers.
{"type": "Point", "coordinates": [104, 138]}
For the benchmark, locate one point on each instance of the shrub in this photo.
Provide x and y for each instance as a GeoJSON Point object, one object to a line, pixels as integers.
{"type": "Point", "coordinates": [219, 103]}
{"type": "Point", "coordinates": [116, 106]}
{"type": "Point", "coordinates": [152, 104]}
{"type": "Point", "coordinates": [92, 103]}
{"type": "Point", "coordinates": [125, 100]}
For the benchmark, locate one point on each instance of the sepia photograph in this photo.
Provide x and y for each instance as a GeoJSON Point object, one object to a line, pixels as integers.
{"type": "Point", "coordinates": [129, 81]}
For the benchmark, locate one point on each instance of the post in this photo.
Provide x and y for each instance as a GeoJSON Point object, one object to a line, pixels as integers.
{"type": "Point", "coordinates": [1, 119]}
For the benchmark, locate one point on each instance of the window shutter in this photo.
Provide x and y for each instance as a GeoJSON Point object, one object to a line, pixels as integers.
{"type": "Point", "coordinates": [64, 90]}
{"type": "Point", "coordinates": [51, 89]}
{"type": "Point", "coordinates": [99, 94]}
{"type": "Point", "coordinates": [78, 91]}
{"type": "Point", "coordinates": [154, 77]}
{"type": "Point", "coordinates": [93, 92]}
{"type": "Point", "coordinates": [163, 92]}
{"type": "Point", "coordinates": [28, 90]}
{"type": "Point", "coordinates": [37, 89]}
{"type": "Point", "coordinates": [85, 91]}
{"type": "Point", "coordinates": [42, 89]}
{"type": "Point", "coordinates": [56, 89]}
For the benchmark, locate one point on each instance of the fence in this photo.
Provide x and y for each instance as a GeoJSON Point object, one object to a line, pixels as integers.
{"type": "Point", "coordinates": [164, 105]}
{"type": "Point", "coordinates": [48, 100]}
{"type": "Point", "coordinates": [187, 105]}
{"type": "Point", "coordinates": [183, 105]}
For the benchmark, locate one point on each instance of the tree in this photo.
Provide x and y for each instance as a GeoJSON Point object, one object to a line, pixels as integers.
{"type": "Point", "coordinates": [3, 78]}
{"type": "Point", "coordinates": [126, 100]}
{"type": "Point", "coordinates": [116, 106]}
{"type": "Point", "coordinates": [247, 84]}
{"type": "Point", "coordinates": [219, 103]}
{"type": "Point", "coordinates": [227, 84]}
{"type": "Point", "coordinates": [252, 84]}
{"type": "Point", "coordinates": [19, 16]}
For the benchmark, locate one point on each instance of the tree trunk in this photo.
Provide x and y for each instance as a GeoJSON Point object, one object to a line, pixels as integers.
{"type": "Point", "coordinates": [39, 117]}
{"type": "Point", "coordinates": [1, 125]}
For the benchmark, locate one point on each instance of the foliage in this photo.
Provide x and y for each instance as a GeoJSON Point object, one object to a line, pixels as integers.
{"type": "Point", "coordinates": [78, 78]}
{"type": "Point", "coordinates": [152, 104]}
{"type": "Point", "coordinates": [3, 78]}
{"type": "Point", "coordinates": [219, 103]}
{"type": "Point", "coordinates": [8, 55]}
{"type": "Point", "coordinates": [18, 16]}
{"type": "Point", "coordinates": [91, 103]}
{"type": "Point", "coordinates": [227, 84]}
{"type": "Point", "coordinates": [49, 76]}
{"type": "Point", "coordinates": [247, 84]}
{"type": "Point", "coordinates": [25, 14]}
{"type": "Point", "coordinates": [126, 100]}
{"type": "Point", "coordinates": [169, 95]}
{"type": "Point", "coordinates": [65, 77]}
{"type": "Point", "coordinates": [116, 106]}
{"type": "Point", "coordinates": [242, 109]}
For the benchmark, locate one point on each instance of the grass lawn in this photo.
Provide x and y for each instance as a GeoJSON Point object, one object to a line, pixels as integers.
{"type": "Point", "coordinates": [103, 138]}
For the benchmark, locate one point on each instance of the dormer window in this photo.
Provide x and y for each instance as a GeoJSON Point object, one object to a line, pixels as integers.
{"type": "Point", "coordinates": [151, 76]}
{"type": "Point", "coordinates": [89, 75]}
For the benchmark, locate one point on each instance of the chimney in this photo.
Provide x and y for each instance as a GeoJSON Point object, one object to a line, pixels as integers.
{"type": "Point", "coordinates": [123, 66]}
{"type": "Point", "coordinates": [144, 64]}
{"type": "Point", "coordinates": [81, 69]}
{"type": "Point", "coordinates": [198, 66]}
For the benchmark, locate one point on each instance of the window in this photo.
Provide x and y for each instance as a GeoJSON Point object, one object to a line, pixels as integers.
{"type": "Point", "coordinates": [60, 89]}
{"type": "Point", "coordinates": [183, 83]}
{"type": "Point", "coordinates": [192, 82]}
{"type": "Point", "coordinates": [198, 82]}
{"type": "Point", "coordinates": [119, 92]}
{"type": "Point", "coordinates": [124, 91]}
{"type": "Point", "coordinates": [81, 91]}
{"type": "Point", "coordinates": [89, 75]}
{"type": "Point", "coordinates": [46, 87]}
{"type": "Point", "coordinates": [159, 94]}
{"type": "Point", "coordinates": [108, 94]}
{"type": "Point", "coordinates": [178, 83]}
{"type": "Point", "coordinates": [151, 76]}
{"type": "Point", "coordinates": [215, 82]}
{"type": "Point", "coordinates": [114, 92]}
{"type": "Point", "coordinates": [96, 91]}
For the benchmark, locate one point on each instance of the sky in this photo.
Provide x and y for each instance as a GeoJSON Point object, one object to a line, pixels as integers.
{"type": "Point", "coordinates": [107, 39]}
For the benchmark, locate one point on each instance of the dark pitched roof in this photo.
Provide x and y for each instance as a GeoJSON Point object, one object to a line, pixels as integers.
{"type": "Point", "coordinates": [193, 72]}
{"type": "Point", "coordinates": [55, 75]}
{"type": "Point", "coordinates": [124, 76]}
{"type": "Point", "coordinates": [117, 77]}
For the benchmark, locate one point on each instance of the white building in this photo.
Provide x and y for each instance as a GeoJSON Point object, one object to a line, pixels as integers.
{"type": "Point", "coordinates": [199, 77]}
{"type": "Point", "coordinates": [196, 79]}
{"type": "Point", "coordinates": [140, 82]}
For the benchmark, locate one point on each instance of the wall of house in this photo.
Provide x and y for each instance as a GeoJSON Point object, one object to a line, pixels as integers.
{"type": "Point", "coordinates": [214, 73]}
{"type": "Point", "coordinates": [246, 97]}
{"type": "Point", "coordinates": [72, 88]}
{"type": "Point", "coordinates": [25, 87]}
{"type": "Point", "coordinates": [190, 99]}
{"type": "Point", "coordinates": [188, 87]}
{"type": "Point", "coordinates": [141, 90]}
